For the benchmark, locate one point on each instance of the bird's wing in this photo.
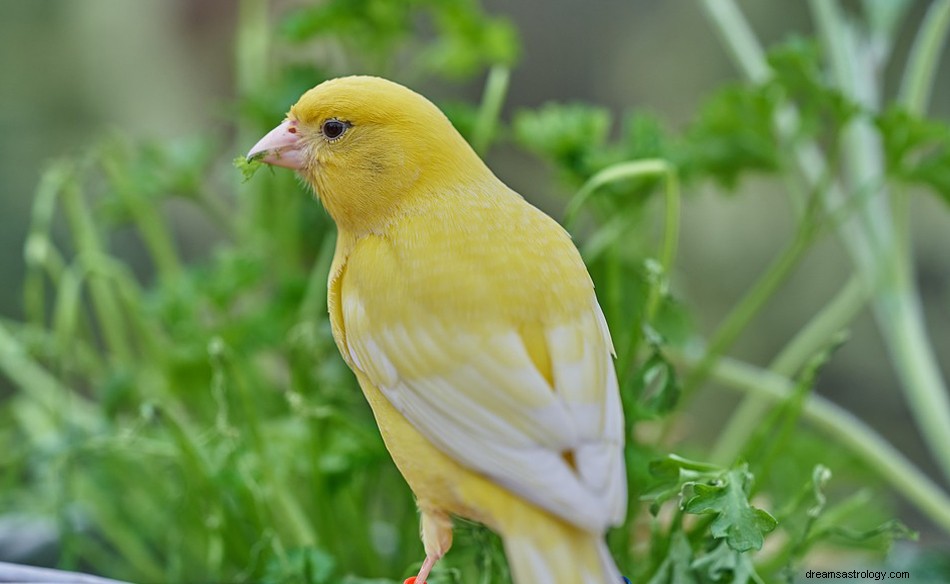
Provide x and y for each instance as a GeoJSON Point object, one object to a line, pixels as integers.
{"type": "Point", "coordinates": [552, 433]}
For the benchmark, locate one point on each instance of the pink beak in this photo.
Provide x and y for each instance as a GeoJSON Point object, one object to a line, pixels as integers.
{"type": "Point", "coordinates": [281, 147]}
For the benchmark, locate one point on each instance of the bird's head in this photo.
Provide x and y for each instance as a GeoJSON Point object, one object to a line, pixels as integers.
{"type": "Point", "coordinates": [370, 148]}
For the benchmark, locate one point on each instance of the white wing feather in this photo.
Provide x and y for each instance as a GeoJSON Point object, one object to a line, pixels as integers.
{"type": "Point", "coordinates": [479, 398]}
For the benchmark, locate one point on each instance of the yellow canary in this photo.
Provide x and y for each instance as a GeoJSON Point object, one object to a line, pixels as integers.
{"type": "Point", "coordinates": [472, 326]}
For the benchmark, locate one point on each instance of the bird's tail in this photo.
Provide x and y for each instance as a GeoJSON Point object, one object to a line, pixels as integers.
{"type": "Point", "coordinates": [560, 554]}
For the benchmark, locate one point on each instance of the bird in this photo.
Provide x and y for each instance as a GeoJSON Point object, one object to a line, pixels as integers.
{"type": "Point", "coordinates": [472, 326]}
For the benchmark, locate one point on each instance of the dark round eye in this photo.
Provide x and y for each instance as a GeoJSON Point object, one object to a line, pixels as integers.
{"type": "Point", "coordinates": [333, 129]}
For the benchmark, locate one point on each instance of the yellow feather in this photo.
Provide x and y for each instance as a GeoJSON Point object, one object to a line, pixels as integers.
{"type": "Point", "coordinates": [471, 324]}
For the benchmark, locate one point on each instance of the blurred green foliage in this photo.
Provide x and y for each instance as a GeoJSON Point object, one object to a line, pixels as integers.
{"type": "Point", "coordinates": [201, 426]}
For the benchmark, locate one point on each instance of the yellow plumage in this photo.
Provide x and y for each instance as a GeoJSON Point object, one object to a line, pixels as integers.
{"type": "Point", "coordinates": [471, 324]}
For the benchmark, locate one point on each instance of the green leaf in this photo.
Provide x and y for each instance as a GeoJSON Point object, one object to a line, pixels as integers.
{"type": "Point", "coordinates": [917, 150]}
{"type": "Point", "coordinates": [732, 135]}
{"type": "Point", "coordinates": [643, 136]}
{"type": "Point", "coordinates": [725, 564]}
{"type": "Point", "coordinates": [300, 566]}
{"type": "Point", "coordinates": [373, 25]}
{"type": "Point", "coordinates": [887, 531]}
{"type": "Point", "coordinates": [674, 463]}
{"type": "Point", "coordinates": [743, 526]}
{"type": "Point", "coordinates": [798, 77]}
{"type": "Point", "coordinates": [819, 478]}
{"type": "Point", "coordinates": [468, 40]}
{"type": "Point", "coordinates": [565, 134]}
{"type": "Point", "coordinates": [671, 474]}
{"type": "Point", "coordinates": [657, 387]}
{"type": "Point", "coordinates": [249, 166]}
{"type": "Point", "coordinates": [675, 568]}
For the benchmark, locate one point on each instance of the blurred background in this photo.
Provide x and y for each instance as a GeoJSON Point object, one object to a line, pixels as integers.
{"type": "Point", "coordinates": [164, 70]}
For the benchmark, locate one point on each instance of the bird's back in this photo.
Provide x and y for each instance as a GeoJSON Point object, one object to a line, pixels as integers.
{"type": "Point", "coordinates": [486, 255]}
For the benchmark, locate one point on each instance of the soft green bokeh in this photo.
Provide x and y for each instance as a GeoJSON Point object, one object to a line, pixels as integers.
{"type": "Point", "coordinates": [211, 432]}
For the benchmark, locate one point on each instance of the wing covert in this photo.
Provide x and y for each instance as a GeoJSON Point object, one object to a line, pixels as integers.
{"type": "Point", "coordinates": [478, 396]}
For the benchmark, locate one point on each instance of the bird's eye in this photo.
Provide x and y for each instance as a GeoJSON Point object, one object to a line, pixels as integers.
{"type": "Point", "coordinates": [333, 129]}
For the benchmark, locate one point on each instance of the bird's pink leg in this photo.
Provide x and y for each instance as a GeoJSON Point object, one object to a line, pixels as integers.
{"type": "Point", "coordinates": [425, 569]}
{"type": "Point", "coordinates": [436, 539]}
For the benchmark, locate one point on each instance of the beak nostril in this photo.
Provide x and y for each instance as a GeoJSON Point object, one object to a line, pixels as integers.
{"type": "Point", "coordinates": [292, 130]}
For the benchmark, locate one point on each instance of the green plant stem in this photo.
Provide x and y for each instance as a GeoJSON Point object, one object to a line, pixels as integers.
{"type": "Point", "coordinates": [896, 300]}
{"type": "Point", "coordinates": [901, 319]}
{"type": "Point", "coordinates": [855, 68]}
{"type": "Point", "coordinates": [283, 505]}
{"type": "Point", "coordinates": [737, 36]}
{"type": "Point", "coordinates": [671, 234]}
{"type": "Point", "coordinates": [647, 167]}
{"type": "Point", "coordinates": [740, 41]}
{"type": "Point", "coordinates": [314, 303]}
{"type": "Point", "coordinates": [219, 213]}
{"type": "Point", "coordinates": [834, 317]}
{"type": "Point", "coordinates": [870, 238]}
{"type": "Point", "coordinates": [36, 383]}
{"type": "Point", "coordinates": [251, 49]}
{"type": "Point", "coordinates": [840, 424]}
{"type": "Point", "coordinates": [39, 251]}
{"type": "Point", "coordinates": [750, 304]}
{"type": "Point", "coordinates": [921, 71]}
{"type": "Point", "coordinates": [89, 250]}
{"type": "Point", "coordinates": [915, 91]}
{"type": "Point", "coordinates": [251, 53]}
{"type": "Point", "coordinates": [496, 87]}
{"type": "Point", "coordinates": [149, 221]}
{"type": "Point", "coordinates": [617, 226]}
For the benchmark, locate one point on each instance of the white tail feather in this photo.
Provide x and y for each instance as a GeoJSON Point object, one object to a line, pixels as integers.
{"type": "Point", "coordinates": [582, 558]}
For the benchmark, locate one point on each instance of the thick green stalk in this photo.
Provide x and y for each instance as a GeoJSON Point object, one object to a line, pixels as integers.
{"type": "Point", "coordinates": [149, 221]}
{"type": "Point", "coordinates": [896, 300]}
{"type": "Point", "coordinates": [855, 68]}
{"type": "Point", "coordinates": [251, 53]}
{"type": "Point", "coordinates": [870, 238]}
{"type": "Point", "coordinates": [314, 304]}
{"type": "Point", "coordinates": [832, 319]}
{"type": "Point", "coordinates": [151, 225]}
{"type": "Point", "coordinates": [252, 45]}
{"type": "Point", "coordinates": [496, 87]}
{"type": "Point", "coordinates": [916, 88]}
{"type": "Point", "coordinates": [737, 36]}
{"type": "Point", "coordinates": [901, 319]}
{"type": "Point", "coordinates": [879, 455]}
{"type": "Point", "coordinates": [921, 70]}
{"type": "Point", "coordinates": [750, 305]}
{"type": "Point", "coordinates": [39, 251]}
{"type": "Point", "coordinates": [38, 385]}
{"type": "Point", "coordinates": [90, 252]}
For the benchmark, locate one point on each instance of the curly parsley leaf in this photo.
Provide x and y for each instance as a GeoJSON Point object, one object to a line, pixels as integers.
{"type": "Point", "coordinates": [724, 564]}
{"type": "Point", "coordinates": [249, 166]}
{"type": "Point", "coordinates": [917, 150]}
{"type": "Point", "coordinates": [741, 525]}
